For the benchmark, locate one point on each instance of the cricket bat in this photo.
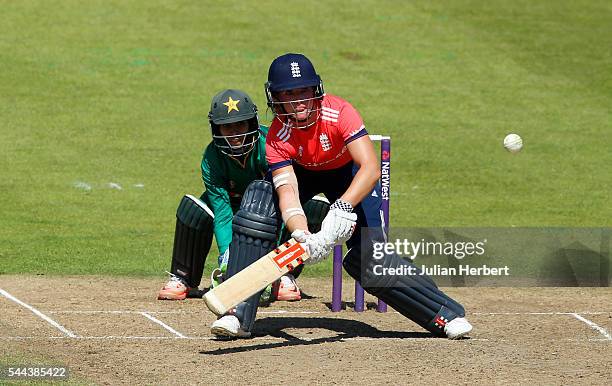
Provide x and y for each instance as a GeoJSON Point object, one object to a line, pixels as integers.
{"type": "Point", "coordinates": [255, 277]}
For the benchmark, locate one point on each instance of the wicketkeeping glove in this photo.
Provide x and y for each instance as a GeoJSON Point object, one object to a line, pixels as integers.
{"type": "Point", "coordinates": [339, 224]}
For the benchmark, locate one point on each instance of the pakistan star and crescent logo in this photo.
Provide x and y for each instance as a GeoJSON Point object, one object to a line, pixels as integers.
{"type": "Point", "coordinates": [231, 104]}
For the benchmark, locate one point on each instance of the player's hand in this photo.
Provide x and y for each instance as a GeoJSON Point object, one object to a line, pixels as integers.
{"type": "Point", "coordinates": [339, 224]}
{"type": "Point", "coordinates": [316, 246]}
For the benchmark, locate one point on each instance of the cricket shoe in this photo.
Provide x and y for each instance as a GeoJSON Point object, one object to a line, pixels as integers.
{"type": "Point", "coordinates": [228, 326]}
{"type": "Point", "coordinates": [175, 289]}
{"type": "Point", "coordinates": [287, 289]}
{"type": "Point", "coordinates": [457, 328]}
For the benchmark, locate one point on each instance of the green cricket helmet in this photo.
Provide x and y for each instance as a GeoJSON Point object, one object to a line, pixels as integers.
{"type": "Point", "coordinates": [228, 107]}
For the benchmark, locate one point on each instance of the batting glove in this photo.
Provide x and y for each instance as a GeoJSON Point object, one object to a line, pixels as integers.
{"type": "Point", "coordinates": [339, 224]}
{"type": "Point", "coordinates": [314, 244]}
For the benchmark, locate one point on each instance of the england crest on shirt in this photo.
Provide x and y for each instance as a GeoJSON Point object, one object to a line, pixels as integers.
{"type": "Point", "coordinates": [325, 143]}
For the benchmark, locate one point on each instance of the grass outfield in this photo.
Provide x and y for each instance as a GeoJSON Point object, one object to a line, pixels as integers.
{"type": "Point", "coordinates": [114, 92]}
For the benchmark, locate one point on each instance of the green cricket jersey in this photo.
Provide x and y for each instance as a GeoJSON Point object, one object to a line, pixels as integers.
{"type": "Point", "coordinates": [226, 179]}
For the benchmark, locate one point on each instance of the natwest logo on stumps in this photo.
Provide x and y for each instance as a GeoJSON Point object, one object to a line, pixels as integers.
{"type": "Point", "coordinates": [385, 179]}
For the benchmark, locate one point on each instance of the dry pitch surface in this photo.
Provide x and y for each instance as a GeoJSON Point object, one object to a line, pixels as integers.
{"type": "Point", "coordinates": [113, 331]}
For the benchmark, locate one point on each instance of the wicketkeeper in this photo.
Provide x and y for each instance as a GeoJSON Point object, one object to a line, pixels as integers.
{"type": "Point", "coordinates": [234, 159]}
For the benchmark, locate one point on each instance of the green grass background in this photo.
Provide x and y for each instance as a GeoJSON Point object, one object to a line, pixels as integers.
{"type": "Point", "coordinates": [118, 91]}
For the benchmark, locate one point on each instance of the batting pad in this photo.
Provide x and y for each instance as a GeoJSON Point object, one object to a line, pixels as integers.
{"type": "Point", "coordinates": [415, 296]}
{"type": "Point", "coordinates": [255, 230]}
{"type": "Point", "coordinates": [315, 209]}
{"type": "Point", "coordinates": [192, 239]}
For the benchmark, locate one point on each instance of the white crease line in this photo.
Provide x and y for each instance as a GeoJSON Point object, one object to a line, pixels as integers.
{"type": "Point", "coordinates": [542, 313]}
{"type": "Point", "coordinates": [88, 337]}
{"type": "Point", "coordinates": [287, 312]}
{"type": "Point", "coordinates": [594, 312]}
{"type": "Point", "coordinates": [98, 312]}
{"type": "Point", "coordinates": [278, 312]}
{"type": "Point", "coordinates": [38, 313]}
{"type": "Point", "coordinates": [171, 312]}
{"type": "Point", "coordinates": [594, 326]}
{"type": "Point", "coordinates": [370, 339]}
{"type": "Point", "coordinates": [211, 338]}
{"type": "Point", "coordinates": [119, 337]}
{"type": "Point", "coordinates": [204, 311]}
{"type": "Point", "coordinates": [164, 325]}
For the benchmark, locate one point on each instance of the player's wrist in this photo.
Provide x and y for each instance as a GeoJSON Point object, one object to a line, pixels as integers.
{"type": "Point", "coordinates": [342, 205]}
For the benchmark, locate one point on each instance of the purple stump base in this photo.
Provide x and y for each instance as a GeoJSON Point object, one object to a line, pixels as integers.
{"type": "Point", "coordinates": [337, 280]}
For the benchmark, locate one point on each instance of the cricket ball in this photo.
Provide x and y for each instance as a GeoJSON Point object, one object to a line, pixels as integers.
{"type": "Point", "coordinates": [513, 143]}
